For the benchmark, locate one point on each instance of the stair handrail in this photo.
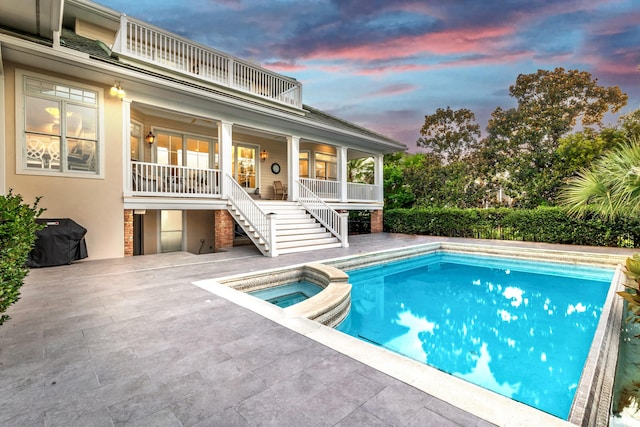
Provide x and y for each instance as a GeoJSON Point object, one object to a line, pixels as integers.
{"type": "Point", "coordinates": [335, 222]}
{"type": "Point", "coordinates": [262, 223]}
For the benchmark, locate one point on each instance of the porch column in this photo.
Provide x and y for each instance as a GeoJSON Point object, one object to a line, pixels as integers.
{"type": "Point", "coordinates": [128, 232]}
{"type": "Point", "coordinates": [223, 229]}
{"type": "Point", "coordinates": [126, 151]}
{"type": "Point", "coordinates": [376, 221]}
{"type": "Point", "coordinates": [342, 173]}
{"type": "Point", "coordinates": [293, 166]}
{"type": "Point", "coordinates": [378, 177]}
{"type": "Point", "coordinates": [225, 133]}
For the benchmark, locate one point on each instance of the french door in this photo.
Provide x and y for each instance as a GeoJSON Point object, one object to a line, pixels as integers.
{"type": "Point", "coordinates": [245, 166]}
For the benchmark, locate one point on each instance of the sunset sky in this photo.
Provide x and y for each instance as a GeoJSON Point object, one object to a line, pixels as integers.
{"type": "Point", "coordinates": [385, 64]}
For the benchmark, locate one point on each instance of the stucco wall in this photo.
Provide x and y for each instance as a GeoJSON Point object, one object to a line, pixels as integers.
{"type": "Point", "coordinates": [96, 204]}
{"type": "Point", "coordinates": [199, 226]}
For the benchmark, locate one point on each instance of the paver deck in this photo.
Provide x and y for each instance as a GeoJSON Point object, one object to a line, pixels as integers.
{"type": "Point", "coordinates": [133, 342]}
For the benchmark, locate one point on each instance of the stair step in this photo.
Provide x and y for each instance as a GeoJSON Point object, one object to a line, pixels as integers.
{"type": "Point", "coordinates": [304, 237]}
{"type": "Point", "coordinates": [294, 215]}
{"type": "Point", "coordinates": [300, 231]}
{"type": "Point", "coordinates": [286, 222]}
{"type": "Point", "coordinates": [301, 226]}
{"type": "Point", "coordinates": [308, 242]}
{"type": "Point", "coordinates": [308, 248]}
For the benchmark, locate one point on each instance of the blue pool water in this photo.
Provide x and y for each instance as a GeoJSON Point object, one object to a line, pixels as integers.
{"type": "Point", "coordinates": [287, 295]}
{"type": "Point", "coordinates": [522, 329]}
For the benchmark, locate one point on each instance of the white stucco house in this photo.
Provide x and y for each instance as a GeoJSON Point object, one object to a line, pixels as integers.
{"type": "Point", "coordinates": [156, 143]}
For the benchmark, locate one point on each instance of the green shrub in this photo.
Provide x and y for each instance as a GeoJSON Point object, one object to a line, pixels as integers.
{"type": "Point", "coordinates": [17, 236]}
{"type": "Point", "coordinates": [544, 224]}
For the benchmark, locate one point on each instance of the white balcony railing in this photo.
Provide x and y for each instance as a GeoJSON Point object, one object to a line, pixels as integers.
{"type": "Point", "coordinates": [326, 190]}
{"type": "Point", "coordinates": [330, 190]}
{"type": "Point", "coordinates": [153, 45]}
{"type": "Point", "coordinates": [152, 179]}
{"type": "Point", "coordinates": [362, 192]}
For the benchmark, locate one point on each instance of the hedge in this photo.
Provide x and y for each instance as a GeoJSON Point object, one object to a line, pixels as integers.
{"type": "Point", "coordinates": [544, 224]}
{"type": "Point", "coordinates": [17, 236]}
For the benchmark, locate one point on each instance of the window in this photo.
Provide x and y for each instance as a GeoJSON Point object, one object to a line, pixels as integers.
{"type": "Point", "coordinates": [304, 164]}
{"type": "Point", "coordinates": [326, 166]}
{"type": "Point", "coordinates": [184, 150]}
{"type": "Point", "coordinates": [136, 139]}
{"type": "Point", "coordinates": [60, 127]}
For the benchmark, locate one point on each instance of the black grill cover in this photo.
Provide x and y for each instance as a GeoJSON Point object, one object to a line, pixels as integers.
{"type": "Point", "coordinates": [59, 243]}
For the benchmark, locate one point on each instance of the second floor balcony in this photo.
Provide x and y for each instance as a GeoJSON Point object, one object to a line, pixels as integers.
{"type": "Point", "coordinates": [143, 42]}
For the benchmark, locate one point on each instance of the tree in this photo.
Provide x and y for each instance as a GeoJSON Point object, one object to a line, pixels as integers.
{"type": "Point", "coordinates": [361, 170]}
{"type": "Point", "coordinates": [550, 104]}
{"type": "Point", "coordinates": [449, 134]}
{"type": "Point", "coordinates": [396, 193]}
{"type": "Point", "coordinates": [611, 187]}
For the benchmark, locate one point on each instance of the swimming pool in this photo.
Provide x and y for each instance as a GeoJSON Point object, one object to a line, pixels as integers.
{"type": "Point", "coordinates": [519, 328]}
{"type": "Point", "coordinates": [592, 400]}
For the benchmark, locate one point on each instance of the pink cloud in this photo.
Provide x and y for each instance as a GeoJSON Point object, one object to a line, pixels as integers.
{"type": "Point", "coordinates": [465, 62]}
{"type": "Point", "coordinates": [285, 67]}
{"type": "Point", "coordinates": [469, 40]}
{"type": "Point", "coordinates": [390, 90]}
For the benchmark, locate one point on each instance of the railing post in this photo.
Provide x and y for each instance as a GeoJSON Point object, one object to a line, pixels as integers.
{"type": "Point", "coordinates": [231, 71]}
{"type": "Point", "coordinates": [344, 229]}
{"type": "Point", "coordinates": [271, 218]}
{"type": "Point", "coordinates": [120, 43]}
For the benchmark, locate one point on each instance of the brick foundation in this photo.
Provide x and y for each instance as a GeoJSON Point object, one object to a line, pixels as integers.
{"type": "Point", "coordinates": [376, 221]}
{"type": "Point", "coordinates": [223, 229]}
{"type": "Point", "coordinates": [128, 232]}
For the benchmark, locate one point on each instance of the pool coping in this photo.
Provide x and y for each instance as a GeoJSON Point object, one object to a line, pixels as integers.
{"type": "Point", "coordinates": [597, 376]}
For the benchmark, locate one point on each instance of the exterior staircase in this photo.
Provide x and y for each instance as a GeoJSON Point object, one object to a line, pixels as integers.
{"type": "Point", "coordinates": [297, 230]}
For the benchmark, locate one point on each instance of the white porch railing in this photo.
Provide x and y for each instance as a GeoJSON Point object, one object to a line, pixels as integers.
{"type": "Point", "coordinates": [326, 190]}
{"type": "Point", "coordinates": [336, 223]}
{"type": "Point", "coordinates": [257, 221]}
{"type": "Point", "coordinates": [152, 179]}
{"type": "Point", "coordinates": [330, 190]}
{"type": "Point", "coordinates": [147, 43]}
{"type": "Point", "coordinates": [362, 192]}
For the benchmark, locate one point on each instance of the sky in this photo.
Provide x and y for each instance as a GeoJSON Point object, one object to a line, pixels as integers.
{"type": "Point", "coordinates": [385, 64]}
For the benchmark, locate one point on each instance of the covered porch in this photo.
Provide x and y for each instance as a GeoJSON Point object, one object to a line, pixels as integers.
{"type": "Point", "coordinates": [176, 156]}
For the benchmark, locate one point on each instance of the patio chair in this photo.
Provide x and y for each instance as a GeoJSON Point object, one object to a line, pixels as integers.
{"type": "Point", "coordinates": [279, 190]}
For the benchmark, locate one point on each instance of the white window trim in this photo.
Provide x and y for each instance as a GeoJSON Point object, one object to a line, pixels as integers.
{"type": "Point", "coordinates": [21, 134]}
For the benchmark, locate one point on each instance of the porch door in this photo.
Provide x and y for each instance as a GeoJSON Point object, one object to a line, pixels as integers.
{"type": "Point", "coordinates": [245, 165]}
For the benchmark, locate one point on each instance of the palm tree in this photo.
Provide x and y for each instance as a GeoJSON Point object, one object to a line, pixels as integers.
{"type": "Point", "coordinates": [611, 188]}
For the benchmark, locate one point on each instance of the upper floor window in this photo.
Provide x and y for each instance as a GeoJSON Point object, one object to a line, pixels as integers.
{"type": "Point", "coordinates": [60, 127]}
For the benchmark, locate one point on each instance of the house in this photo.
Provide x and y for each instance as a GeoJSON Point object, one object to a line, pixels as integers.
{"type": "Point", "coordinates": [156, 143]}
